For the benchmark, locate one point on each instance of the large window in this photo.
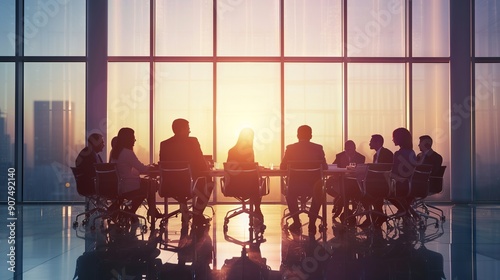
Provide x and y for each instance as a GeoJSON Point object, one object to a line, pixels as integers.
{"type": "Point", "coordinates": [54, 129]}
{"type": "Point", "coordinates": [348, 68]}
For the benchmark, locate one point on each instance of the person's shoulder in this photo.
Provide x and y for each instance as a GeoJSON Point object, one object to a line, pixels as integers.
{"type": "Point", "coordinates": [166, 141]}
{"type": "Point", "coordinates": [386, 150]}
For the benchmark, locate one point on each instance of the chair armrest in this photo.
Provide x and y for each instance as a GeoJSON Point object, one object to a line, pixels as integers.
{"type": "Point", "coordinates": [284, 185]}
{"type": "Point", "coordinates": [264, 185]}
{"type": "Point", "coordinates": [223, 185]}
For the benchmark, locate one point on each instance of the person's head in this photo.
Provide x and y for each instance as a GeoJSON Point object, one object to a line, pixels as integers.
{"type": "Point", "coordinates": [246, 137]}
{"type": "Point", "coordinates": [376, 142]}
{"type": "Point", "coordinates": [304, 133]}
{"type": "Point", "coordinates": [114, 141]}
{"type": "Point", "coordinates": [180, 127]}
{"type": "Point", "coordinates": [125, 138]}
{"type": "Point", "coordinates": [96, 142]}
{"type": "Point", "coordinates": [425, 143]}
{"type": "Point", "coordinates": [402, 137]}
{"type": "Point", "coordinates": [349, 146]}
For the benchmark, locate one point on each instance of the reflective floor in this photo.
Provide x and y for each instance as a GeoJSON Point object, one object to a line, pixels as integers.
{"type": "Point", "coordinates": [465, 246]}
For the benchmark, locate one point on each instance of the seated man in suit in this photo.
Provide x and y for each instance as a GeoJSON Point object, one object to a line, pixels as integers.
{"type": "Point", "coordinates": [304, 150]}
{"type": "Point", "coordinates": [349, 155]}
{"type": "Point", "coordinates": [85, 161]}
{"type": "Point", "coordinates": [382, 155]}
{"type": "Point", "coordinates": [343, 159]}
{"type": "Point", "coordinates": [427, 155]}
{"type": "Point", "coordinates": [181, 147]}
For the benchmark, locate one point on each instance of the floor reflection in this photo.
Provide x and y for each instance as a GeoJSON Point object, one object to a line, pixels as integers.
{"type": "Point", "coordinates": [51, 249]}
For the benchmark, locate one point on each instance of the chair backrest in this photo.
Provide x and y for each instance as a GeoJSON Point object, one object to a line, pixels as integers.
{"type": "Point", "coordinates": [419, 181]}
{"type": "Point", "coordinates": [302, 176]}
{"type": "Point", "coordinates": [376, 182]}
{"type": "Point", "coordinates": [436, 181]}
{"type": "Point", "coordinates": [176, 179]}
{"type": "Point", "coordinates": [85, 186]}
{"type": "Point", "coordinates": [241, 179]}
{"type": "Point", "coordinates": [107, 180]}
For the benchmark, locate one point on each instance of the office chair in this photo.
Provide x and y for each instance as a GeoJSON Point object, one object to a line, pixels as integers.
{"type": "Point", "coordinates": [301, 180]}
{"type": "Point", "coordinates": [108, 189]}
{"type": "Point", "coordinates": [86, 188]}
{"type": "Point", "coordinates": [408, 190]}
{"type": "Point", "coordinates": [425, 210]}
{"type": "Point", "coordinates": [176, 181]}
{"type": "Point", "coordinates": [243, 181]}
{"type": "Point", "coordinates": [374, 185]}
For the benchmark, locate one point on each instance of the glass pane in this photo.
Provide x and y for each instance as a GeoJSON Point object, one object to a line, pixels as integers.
{"type": "Point", "coordinates": [487, 125]}
{"type": "Point", "coordinates": [313, 28]}
{"type": "Point", "coordinates": [184, 28]}
{"type": "Point", "coordinates": [54, 129]}
{"type": "Point", "coordinates": [431, 101]}
{"type": "Point", "coordinates": [431, 28]}
{"type": "Point", "coordinates": [248, 28]}
{"type": "Point", "coordinates": [376, 28]}
{"type": "Point", "coordinates": [7, 122]}
{"type": "Point", "coordinates": [54, 28]}
{"type": "Point", "coordinates": [487, 28]}
{"type": "Point", "coordinates": [313, 96]}
{"type": "Point", "coordinates": [376, 103]}
{"type": "Point", "coordinates": [248, 95]}
{"type": "Point", "coordinates": [183, 90]}
{"type": "Point", "coordinates": [128, 27]}
{"type": "Point", "coordinates": [128, 104]}
{"type": "Point", "coordinates": [8, 28]}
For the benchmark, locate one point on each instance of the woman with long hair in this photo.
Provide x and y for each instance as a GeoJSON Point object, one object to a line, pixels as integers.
{"type": "Point", "coordinates": [243, 152]}
{"type": "Point", "coordinates": [403, 165]}
{"type": "Point", "coordinates": [129, 169]}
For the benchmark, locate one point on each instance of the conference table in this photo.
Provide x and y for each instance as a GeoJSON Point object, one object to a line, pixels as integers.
{"type": "Point", "coordinates": [333, 169]}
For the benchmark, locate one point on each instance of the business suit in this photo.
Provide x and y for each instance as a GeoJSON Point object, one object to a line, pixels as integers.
{"type": "Point", "coordinates": [384, 156]}
{"type": "Point", "coordinates": [304, 151]}
{"type": "Point", "coordinates": [432, 158]}
{"type": "Point", "coordinates": [188, 149]}
{"type": "Point", "coordinates": [343, 159]}
{"type": "Point", "coordinates": [85, 164]}
{"type": "Point", "coordinates": [183, 148]}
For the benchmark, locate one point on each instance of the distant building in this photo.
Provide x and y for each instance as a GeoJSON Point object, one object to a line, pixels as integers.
{"type": "Point", "coordinates": [54, 131]}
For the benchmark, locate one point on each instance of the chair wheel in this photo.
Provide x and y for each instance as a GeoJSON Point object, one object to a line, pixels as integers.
{"type": "Point", "coordinates": [75, 225]}
{"type": "Point", "coordinates": [144, 229]}
{"type": "Point", "coordinates": [85, 222]}
{"type": "Point", "coordinates": [225, 228]}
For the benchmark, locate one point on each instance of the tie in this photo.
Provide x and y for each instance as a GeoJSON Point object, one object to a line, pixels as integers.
{"type": "Point", "coordinates": [99, 159]}
{"type": "Point", "coordinates": [375, 158]}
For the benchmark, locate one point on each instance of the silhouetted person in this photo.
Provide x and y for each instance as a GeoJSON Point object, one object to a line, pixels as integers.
{"type": "Point", "coordinates": [349, 155]}
{"type": "Point", "coordinates": [382, 155]}
{"type": "Point", "coordinates": [351, 188]}
{"type": "Point", "coordinates": [113, 144]}
{"type": "Point", "coordinates": [129, 168]}
{"type": "Point", "coordinates": [427, 155]}
{"type": "Point", "coordinates": [304, 150]}
{"type": "Point", "coordinates": [243, 152]}
{"type": "Point", "coordinates": [181, 147]}
{"type": "Point", "coordinates": [85, 161]}
{"type": "Point", "coordinates": [403, 164]}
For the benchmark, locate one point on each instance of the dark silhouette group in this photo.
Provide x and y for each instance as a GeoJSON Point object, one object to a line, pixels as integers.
{"type": "Point", "coordinates": [182, 147]}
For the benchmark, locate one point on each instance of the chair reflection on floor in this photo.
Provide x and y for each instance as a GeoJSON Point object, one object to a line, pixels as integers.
{"type": "Point", "coordinates": [249, 265]}
{"type": "Point", "coordinates": [303, 180]}
{"type": "Point", "coordinates": [243, 182]}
